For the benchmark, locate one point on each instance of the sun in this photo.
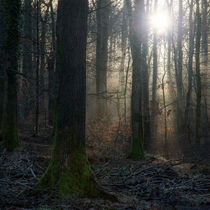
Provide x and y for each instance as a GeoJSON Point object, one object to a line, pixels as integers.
{"type": "Point", "coordinates": [160, 22]}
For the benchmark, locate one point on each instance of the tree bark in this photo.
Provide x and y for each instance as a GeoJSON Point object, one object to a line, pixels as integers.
{"type": "Point", "coordinates": [11, 22]}
{"type": "Point", "coordinates": [198, 76]}
{"type": "Point", "coordinates": [137, 139]}
{"type": "Point", "coordinates": [190, 71]}
{"type": "Point", "coordinates": [2, 70]}
{"type": "Point", "coordinates": [69, 169]}
{"type": "Point", "coordinates": [27, 56]}
{"type": "Point", "coordinates": [102, 19]}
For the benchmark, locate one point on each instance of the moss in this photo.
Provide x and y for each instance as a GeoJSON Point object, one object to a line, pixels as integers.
{"type": "Point", "coordinates": [72, 177]}
{"type": "Point", "coordinates": [137, 151]}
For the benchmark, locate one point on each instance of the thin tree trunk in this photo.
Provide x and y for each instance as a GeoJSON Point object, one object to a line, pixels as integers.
{"type": "Point", "coordinates": [102, 15]}
{"type": "Point", "coordinates": [198, 76]}
{"type": "Point", "coordinates": [37, 68]}
{"type": "Point", "coordinates": [154, 80]}
{"type": "Point", "coordinates": [27, 56]}
{"type": "Point", "coordinates": [52, 90]}
{"type": "Point", "coordinates": [179, 69]}
{"type": "Point", "coordinates": [190, 71]}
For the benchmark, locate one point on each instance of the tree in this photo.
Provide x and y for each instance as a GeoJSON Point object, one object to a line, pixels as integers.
{"type": "Point", "coordinates": [27, 53]}
{"type": "Point", "coordinates": [198, 75]}
{"type": "Point", "coordinates": [189, 69]}
{"type": "Point", "coordinates": [69, 169]}
{"type": "Point", "coordinates": [179, 69]}
{"type": "Point", "coordinates": [154, 78]}
{"type": "Point", "coordinates": [137, 139]}
{"type": "Point", "coordinates": [11, 18]}
{"type": "Point", "coordinates": [2, 73]}
{"type": "Point", "coordinates": [102, 18]}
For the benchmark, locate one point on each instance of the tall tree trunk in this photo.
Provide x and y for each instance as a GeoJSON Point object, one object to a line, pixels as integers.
{"type": "Point", "coordinates": [2, 70]}
{"type": "Point", "coordinates": [44, 21]}
{"type": "Point", "coordinates": [179, 69]}
{"type": "Point", "coordinates": [205, 30]}
{"type": "Point", "coordinates": [27, 56]}
{"type": "Point", "coordinates": [145, 81]}
{"type": "Point", "coordinates": [154, 80]}
{"type": "Point", "coordinates": [37, 68]}
{"type": "Point", "coordinates": [69, 169]}
{"type": "Point", "coordinates": [51, 71]}
{"type": "Point", "coordinates": [198, 76]}
{"type": "Point", "coordinates": [124, 35]}
{"type": "Point", "coordinates": [102, 18]}
{"type": "Point", "coordinates": [11, 22]}
{"type": "Point", "coordinates": [190, 71]}
{"type": "Point", "coordinates": [137, 139]}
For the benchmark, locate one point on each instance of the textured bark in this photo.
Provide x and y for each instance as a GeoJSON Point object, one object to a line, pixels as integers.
{"type": "Point", "coordinates": [27, 55]}
{"type": "Point", "coordinates": [102, 15]}
{"type": "Point", "coordinates": [145, 81]}
{"type": "Point", "coordinates": [2, 72]}
{"type": "Point", "coordinates": [69, 168]}
{"type": "Point", "coordinates": [137, 139]}
{"type": "Point", "coordinates": [154, 80]}
{"type": "Point", "coordinates": [11, 20]}
{"type": "Point", "coordinates": [190, 71]}
{"type": "Point", "coordinates": [37, 68]}
{"type": "Point", "coordinates": [198, 76]}
{"type": "Point", "coordinates": [124, 35]}
{"type": "Point", "coordinates": [179, 69]}
{"type": "Point", "coordinates": [51, 71]}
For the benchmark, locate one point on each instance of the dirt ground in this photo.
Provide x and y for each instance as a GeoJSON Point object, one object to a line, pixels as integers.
{"type": "Point", "coordinates": [153, 183]}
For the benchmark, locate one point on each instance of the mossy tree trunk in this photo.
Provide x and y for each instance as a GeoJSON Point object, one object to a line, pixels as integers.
{"type": "Point", "coordinates": [137, 140]}
{"type": "Point", "coordinates": [10, 49]}
{"type": "Point", "coordinates": [69, 169]}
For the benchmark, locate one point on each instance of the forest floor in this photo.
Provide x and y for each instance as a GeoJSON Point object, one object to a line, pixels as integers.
{"type": "Point", "coordinates": [153, 183]}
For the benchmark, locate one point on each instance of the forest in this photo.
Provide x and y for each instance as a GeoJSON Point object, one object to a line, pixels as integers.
{"type": "Point", "coordinates": [104, 104]}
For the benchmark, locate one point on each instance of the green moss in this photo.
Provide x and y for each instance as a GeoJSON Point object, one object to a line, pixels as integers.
{"type": "Point", "coordinates": [137, 151]}
{"type": "Point", "coordinates": [72, 177]}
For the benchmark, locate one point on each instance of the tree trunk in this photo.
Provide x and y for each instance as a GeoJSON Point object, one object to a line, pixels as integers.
{"type": "Point", "coordinates": [2, 70]}
{"type": "Point", "coordinates": [10, 49]}
{"type": "Point", "coordinates": [69, 169]}
{"type": "Point", "coordinates": [27, 56]}
{"type": "Point", "coordinates": [154, 80]}
{"type": "Point", "coordinates": [198, 76]}
{"type": "Point", "coordinates": [51, 71]}
{"type": "Point", "coordinates": [179, 69]}
{"type": "Point", "coordinates": [190, 71]}
{"type": "Point", "coordinates": [44, 21]}
{"type": "Point", "coordinates": [37, 69]}
{"type": "Point", "coordinates": [137, 141]}
{"type": "Point", "coordinates": [102, 18]}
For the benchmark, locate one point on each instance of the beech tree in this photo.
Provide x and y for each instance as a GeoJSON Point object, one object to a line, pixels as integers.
{"type": "Point", "coordinates": [102, 18]}
{"type": "Point", "coordinates": [137, 138]}
{"type": "Point", "coordinates": [11, 19]}
{"type": "Point", "coordinates": [2, 73]}
{"type": "Point", "coordinates": [69, 169]}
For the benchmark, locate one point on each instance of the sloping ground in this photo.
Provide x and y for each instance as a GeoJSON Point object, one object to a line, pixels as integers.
{"type": "Point", "coordinates": [150, 184]}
